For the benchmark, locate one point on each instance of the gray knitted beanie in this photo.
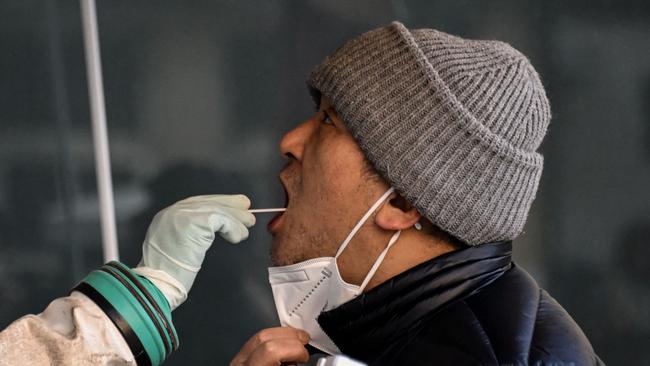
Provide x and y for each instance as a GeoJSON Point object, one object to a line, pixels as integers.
{"type": "Point", "coordinates": [453, 124]}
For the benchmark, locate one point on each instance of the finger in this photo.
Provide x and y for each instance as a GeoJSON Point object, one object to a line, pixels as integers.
{"type": "Point", "coordinates": [217, 212]}
{"type": "Point", "coordinates": [278, 351]}
{"type": "Point", "coordinates": [227, 200]}
{"type": "Point", "coordinates": [243, 216]}
{"type": "Point", "coordinates": [230, 224]}
{"type": "Point", "coordinates": [211, 208]}
{"type": "Point", "coordinates": [233, 231]}
{"type": "Point", "coordinates": [266, 335]}
{"type": "Point", "coordinates": [231, 200]}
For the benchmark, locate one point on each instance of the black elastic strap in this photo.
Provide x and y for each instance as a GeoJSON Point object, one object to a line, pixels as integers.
{"type": "Point", "coordinates": [153, 303]}
{"type": "Point", "coordinates": [132, 340]}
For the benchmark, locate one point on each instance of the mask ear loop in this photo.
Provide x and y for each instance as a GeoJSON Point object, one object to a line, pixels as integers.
{"type": "Point", "coordinates": [380, 259]}
{"type": "Point", "coordinates": [363, 220]}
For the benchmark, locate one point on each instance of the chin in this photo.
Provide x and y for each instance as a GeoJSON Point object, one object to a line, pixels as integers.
{"type": "Point", "coordinates": [275, 260]}
{"type": "Point", "coordinates": [277, 256]}
{"type": "Point", "coordinates": [283, 253]}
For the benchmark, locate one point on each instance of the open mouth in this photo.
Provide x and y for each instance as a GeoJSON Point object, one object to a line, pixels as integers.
{"type": "Point", "coordinates": [275, 223]}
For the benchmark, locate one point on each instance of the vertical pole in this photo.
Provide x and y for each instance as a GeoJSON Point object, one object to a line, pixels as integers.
{"type": "Point", "coordinates": [100, 136]}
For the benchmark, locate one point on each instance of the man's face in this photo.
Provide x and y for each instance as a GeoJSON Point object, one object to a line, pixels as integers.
{"type": "Point", "coordinates": [327, 186]}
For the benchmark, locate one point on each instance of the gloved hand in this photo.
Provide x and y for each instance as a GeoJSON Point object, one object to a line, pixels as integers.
{"type": "Point", "coordinates": [179, 236]}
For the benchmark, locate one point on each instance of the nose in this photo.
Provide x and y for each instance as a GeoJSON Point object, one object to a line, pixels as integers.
{"type": "Point", "coordinates": [293, 143]}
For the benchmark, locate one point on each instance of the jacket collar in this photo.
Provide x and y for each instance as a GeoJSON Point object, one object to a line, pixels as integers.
{"type": "Point", "coordinates": [372, 321]}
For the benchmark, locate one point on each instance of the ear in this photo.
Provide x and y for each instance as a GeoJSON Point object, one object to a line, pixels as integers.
{"type": "Point", "coordinates": [397, 214]}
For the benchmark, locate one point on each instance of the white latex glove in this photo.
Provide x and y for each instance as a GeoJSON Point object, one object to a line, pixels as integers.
{"type": "Point", "coordinates": [179, 236]}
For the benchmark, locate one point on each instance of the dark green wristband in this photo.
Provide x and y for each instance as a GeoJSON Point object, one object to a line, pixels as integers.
{"type": "Point", "coordinates": [136, 307]}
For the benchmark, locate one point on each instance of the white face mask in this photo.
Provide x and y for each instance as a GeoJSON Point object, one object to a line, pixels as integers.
{"type": "Point", "coordinates": [303, 290]}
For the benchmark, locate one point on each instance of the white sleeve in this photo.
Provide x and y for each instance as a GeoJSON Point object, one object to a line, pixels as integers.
{"type": "Point", "coordinates": [72, 330]}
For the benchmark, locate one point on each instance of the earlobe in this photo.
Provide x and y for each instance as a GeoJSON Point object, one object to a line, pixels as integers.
{"type": "Point", "coordinates": [397, 214]}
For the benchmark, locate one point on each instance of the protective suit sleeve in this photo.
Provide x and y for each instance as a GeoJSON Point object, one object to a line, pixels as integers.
{"type": "Point", "coordinates": [112, 317]}
{"type": "Point", "coordinates": [72, 330]}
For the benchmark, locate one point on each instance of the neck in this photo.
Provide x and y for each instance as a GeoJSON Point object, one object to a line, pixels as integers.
{"type": "Point", "coordinates": [412, 248]}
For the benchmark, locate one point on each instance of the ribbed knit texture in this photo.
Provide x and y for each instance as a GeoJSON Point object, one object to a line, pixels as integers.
{"type": "Point", "coordinates": [453, 124]}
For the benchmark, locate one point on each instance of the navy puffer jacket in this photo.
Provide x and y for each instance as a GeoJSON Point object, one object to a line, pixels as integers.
{"type": "Point", "coordinates": [468, 307]}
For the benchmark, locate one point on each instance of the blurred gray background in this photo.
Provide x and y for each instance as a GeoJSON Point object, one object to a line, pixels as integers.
{"type": "Point", "coordinates": [199, 93]}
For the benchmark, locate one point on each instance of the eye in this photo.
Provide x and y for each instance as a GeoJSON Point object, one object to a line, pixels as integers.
{"type": "Point", "coordinates": [327, 119]}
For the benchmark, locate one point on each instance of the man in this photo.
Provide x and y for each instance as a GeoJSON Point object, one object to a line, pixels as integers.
{"type": "Point", "coordinates": [452, 125]}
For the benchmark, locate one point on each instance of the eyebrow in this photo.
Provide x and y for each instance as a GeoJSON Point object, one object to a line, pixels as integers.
{"type": "Point", "coordinates": [331, 111]}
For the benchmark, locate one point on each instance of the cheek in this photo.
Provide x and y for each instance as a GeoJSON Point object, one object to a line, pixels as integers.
{"type": "Point", "coordinates": [338, 187]}
{"type": "Point", "coordinates": [330, 196]}
{"type": "Point", "coordinates": [338, 164]}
